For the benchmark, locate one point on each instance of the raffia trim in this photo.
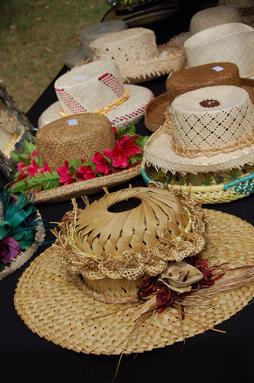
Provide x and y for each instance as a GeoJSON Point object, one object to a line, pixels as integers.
{"type": "Point", "coordinates": [23, 257]}
{"type": "Point", "coordinates": [132, 263]}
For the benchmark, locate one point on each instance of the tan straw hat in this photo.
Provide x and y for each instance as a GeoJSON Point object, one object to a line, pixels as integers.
{"type": "Point", "coordinates": [60, 297]}
{"type": "Point", "coordinates": [137, 55]}
{"type": "Point", "coordinates": [209, 129]}
{"type": "Point", "coordinates": [182, 81]}
{"type": "Point", "coordinates": [97, 88]}
{"type": "Point", "coordinates": [233, 42]}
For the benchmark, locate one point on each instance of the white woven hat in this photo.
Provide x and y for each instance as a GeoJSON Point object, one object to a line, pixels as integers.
{"type": "Point", "coordinates": [207, 18]}
{"type": "Point", "coordinates": [136, 53]}
{"type": "Point", "coordinates": [232, 42]}
{"type": "Point", "coordinates": [209, 129]}
{"type": "Point", "coordinates": [97, 87]}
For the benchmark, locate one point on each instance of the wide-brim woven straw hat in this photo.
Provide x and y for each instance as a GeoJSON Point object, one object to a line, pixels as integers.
{"type": "Point", "coordinates": [25, 255]}
{"type": "Point", "coordinates": [190, 79]}
{"type": "Point", "coordinates": [137, 55]}
{"type": "Point", "coordinates": [131, 111]}
{"type": "Point", "coordinates": [160, 150]}
{"type": "Point", "coordinates": [53, 304]}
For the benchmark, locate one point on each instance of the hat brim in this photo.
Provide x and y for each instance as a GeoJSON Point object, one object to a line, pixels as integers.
{"type": "Point", "coordinates": [156, 109]}
{"type": "Point", "coordinates": [93, 185]}
{"type": "Point", "coordinates": [130, 111]}
{"type": "Point", "coordinates": [54, 306]}
{"type": "Point", "coordinates": [25, 255]}
{"type": "Point", "coordinates": [169, 60]}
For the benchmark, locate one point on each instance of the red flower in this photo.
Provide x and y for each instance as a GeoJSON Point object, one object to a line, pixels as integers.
{"type": "Point", "coordinates": [165, 297]}
{"type": "Point", "coordinates": [102, 165]}
{"type": "Point", "coordinates": [85, 173]}
{"type": "Point", "coordinates": [128, 146]}
{"type": "Point", "coordinates": [21, 168]}
{"type": "Point", "coordinates": [45, 168]}
{"type": "Point", "coordinates": [32, 169]}
{"type": "Point", "coordinates": [119, 160]}
{"type": "Point", "coordinates": [34, 154]}
{"type": "Point", "coordinates": [63, 171]}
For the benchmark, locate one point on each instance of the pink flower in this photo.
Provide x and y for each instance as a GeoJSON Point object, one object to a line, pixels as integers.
{"type": "Point", "coordinates": [34, 154]}
{"type": "Point", "coordinates": [21, 168]}
{"type": "Point", "coordinates": [45, 168]}
{"type": "Point", "coordinates": [63, 171]}
{"type": "Point", "coordinates": [32, 169]}
{"type": "Point", "coordinates": [127, 146]}
{"type": "Point", "coordinates": [118, 159]}
{"type": "Point", "coordinates": [85, 173]}
{"type": "Point", "coordinates": [102, 165]}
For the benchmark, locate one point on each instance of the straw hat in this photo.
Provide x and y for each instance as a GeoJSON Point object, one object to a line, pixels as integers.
{"type": "Point", "coordinates": [137, 55]}
{"type": "Point", "coordinates": [59, 301]}
{"type": "Point", "coordinates": [21, 232]}
{"type": "Point", "coordinates": [70, 138]}
{"type": "Point", "coordinates": [227, 42]}
{"type": "Point", "coordinates": [209, 129]}
{"type": "Point", "coordinates": [182, 81]}
{"type": "Point", "coordinates": [97, 87]}
{"type": "Point", "coordinates": [207, 18]}
{"type": "Point", "coordinates": [72, 142]}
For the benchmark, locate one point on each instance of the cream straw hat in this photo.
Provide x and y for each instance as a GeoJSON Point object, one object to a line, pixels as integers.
{"type": "Point", "coordinates": [137, 55]}
{"type": "Point", "coordinates": [97, 88]}
{"type": "Point", "coordinates": [209, 129]}
{"type": "Point", "coordinates": [233, 42]}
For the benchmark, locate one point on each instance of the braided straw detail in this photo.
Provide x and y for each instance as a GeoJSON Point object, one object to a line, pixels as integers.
{"type": "Point", "coordinates": [132, 243]}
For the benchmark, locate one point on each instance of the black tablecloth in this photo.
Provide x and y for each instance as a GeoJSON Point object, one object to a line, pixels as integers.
{"type": "Point", "coordinates": [210, 357]}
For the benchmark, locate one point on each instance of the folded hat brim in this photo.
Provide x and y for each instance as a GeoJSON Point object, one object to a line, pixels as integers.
{"type": "Point", "coordinates": [93, 185]}
{"type": "Point", "coordinates": [156, 109]}
{"type": "Point", "coordinates": [25, 255]}
{"type": "Point", "coordinates": [159, 152]}
{"type": "Point", "coordinates": [54, 306]}
{"type": "Point", "coordinates": [169, 60]}
{"type": "Point", "coordinates": [130, 111]}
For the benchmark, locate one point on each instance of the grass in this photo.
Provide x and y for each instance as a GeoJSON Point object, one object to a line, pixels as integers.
{"type": "Point", "coordinates": [34, 36]}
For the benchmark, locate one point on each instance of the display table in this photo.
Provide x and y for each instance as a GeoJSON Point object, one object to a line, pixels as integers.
{"type": "Point", "coordinates": [210, 357]}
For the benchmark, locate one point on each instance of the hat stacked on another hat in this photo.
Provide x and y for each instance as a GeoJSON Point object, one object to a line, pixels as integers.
{"type": "Point", "coordinates": [209, 131]}
{"type": "Point", "coordinates": [116, 281]}
{"type": "Point", "coordinates": [97, 87]}
{"type": "Point", "coordinates": [137, 55]}
{"type": "Point", "coordinates": [185, 80]}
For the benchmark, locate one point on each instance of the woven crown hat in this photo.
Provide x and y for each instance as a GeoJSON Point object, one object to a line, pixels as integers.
{"type": "Point", "coordinates": [233, 42]}
{"type": "Point", "coordinates": [97, 88]}
{"type": "Point", "coordinates": [137, 55]}
{"type": "Point", "coordinates": [60, 298]}
{"type": "Point", "coordinates": [185, 80]}
{"type": "Point", "coordinates": [209, 129]}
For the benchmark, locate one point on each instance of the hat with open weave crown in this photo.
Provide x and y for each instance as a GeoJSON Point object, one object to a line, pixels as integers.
{"type": "Point", "coordinates": [97, 87]}
{"type": "Point", "coordinates": [137, 55]}
{"type": "Point", "coordinates": [185, 80]}
{"type": "Point", "coordinates": [114, 281]}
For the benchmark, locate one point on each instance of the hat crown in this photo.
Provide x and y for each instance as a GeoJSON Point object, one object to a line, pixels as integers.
{"type": "Point", "coordinates": [210, 17]}
{"type": "Point", "coordinates": [89, 88]}
{"type": "Point", "coordinates": [126, 47]}
{"type": "Point", "coordinates": [227, 42]}
{"type": "Point", "coordinates": [212, 119]}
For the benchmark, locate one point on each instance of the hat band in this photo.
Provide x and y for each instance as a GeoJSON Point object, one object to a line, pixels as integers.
{"type": "Point", "coordinates": [244, 142]}
{"type": "Point", "coordinates": [108, 108]}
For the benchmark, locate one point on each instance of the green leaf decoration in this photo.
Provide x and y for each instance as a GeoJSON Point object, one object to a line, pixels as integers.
{"type": "Point", "coordinates": [141, 140]}
{"type": "Point", "coordinates": [135, 159]}
{"type": "Point", "coordinates": [29, 147]}
{"type": "Point", "coordinates": [74, 165]}
{"type": "Point", "coordinates": [130, 130]}
{"type": "Point", "coordinates": [15, 156]}
{"type": "Point", "coordinates": [48, 180]}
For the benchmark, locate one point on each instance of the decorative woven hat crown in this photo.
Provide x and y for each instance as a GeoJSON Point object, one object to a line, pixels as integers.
{"type": "Point", "coordinates": [135, 242]}
{"type": "Point", "coordinates": [74, 137]}
{"type": "Point", "coordinates": [212, 119]}
{"type": "Point", "coordinates": [89, 88]}
{"type": "Point", "coordinates": [213, 16]}
{"type": "Point", "coordinates": [233, 42]}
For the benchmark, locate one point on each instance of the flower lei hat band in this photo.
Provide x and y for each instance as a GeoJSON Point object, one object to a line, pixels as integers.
{"type": "Point", "coordinates": [209, 129]}
{"type": "Point", "coordinates": [137, 55]}
{"type": "Point", "coordinates": [182, 81]}
{"type": "Point", "coordinates": [97, 87]}
{"type": "Point", "coordinates": [61, 298]}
